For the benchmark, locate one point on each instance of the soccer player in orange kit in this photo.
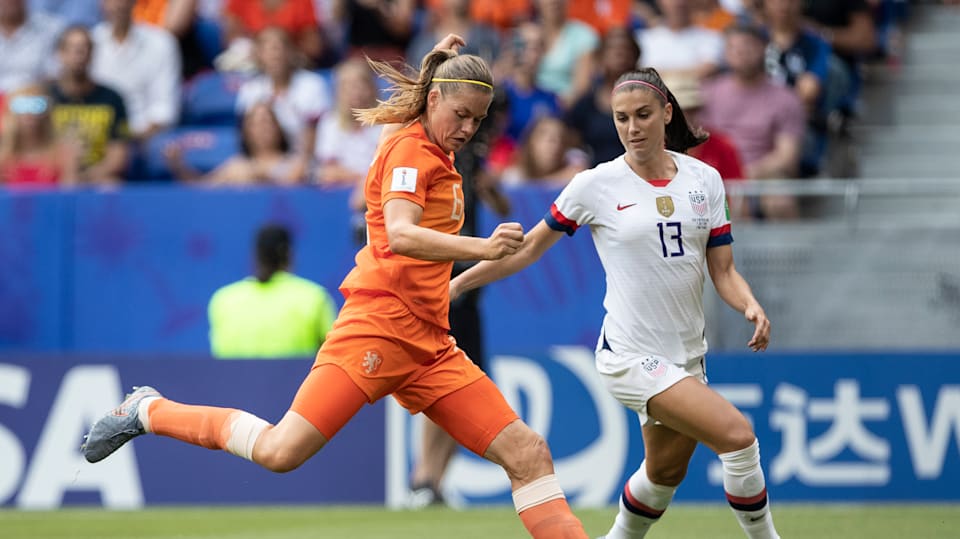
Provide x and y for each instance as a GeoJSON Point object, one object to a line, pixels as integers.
{"type": "Point", "coordinates": [391, 337]}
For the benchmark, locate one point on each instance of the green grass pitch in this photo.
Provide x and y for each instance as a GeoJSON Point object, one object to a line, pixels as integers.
{"type": "Point", "coordinates": [681, 521]}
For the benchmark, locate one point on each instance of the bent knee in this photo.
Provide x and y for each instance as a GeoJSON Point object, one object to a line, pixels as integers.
{"type": "Point", "coordinates": [280, 461]}
{"type": "Point", "coordinates": [669, 475]}
{"type": "Point", "coordinates": [525, 456]}
{"type": "Point", "coordinates": [738, 436]}
{"type": "Point", "coordinates": [278, 457]}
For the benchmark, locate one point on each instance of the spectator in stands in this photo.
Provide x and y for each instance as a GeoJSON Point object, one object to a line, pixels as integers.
{"type": "Point", "coordinates": [567, 43]}
{"type": "Point", "coordinates": [453, 17]}
{"type": "Point", "coordinates": [27, 42]}
{"type": "Point", "coordinates": [765, 119]}
{"type": "Point", "coordinates": [345, 147]}
{"type": "Point", "coordinates": [711, 15]}
{"type": "Point", "coordinates": [547, 156]}
{"type": "Point", "coordinates": [299, 97]}
{"type": "Point", "coordinates": [848, 26]}
{"type": "Point", "coordinates": [243, 20]}
{"type": "Point", "coordinates": [142, 63]}
{"type": "Point", "coordinates": [590, 115]}
{"type": "Point", "coordinates": [677, 45]}
{"type": "Point", "coordinates": [89, 114]}
{"type": "Point", "coordinates": [379, 29]}
{"type": "Point", "coordinates": [719, 151]}
{"type": "Point", "coordinates": [274, 313]}
{"type": "Point", "coordinates": [526, 100]}
{"type": "Point", "coordinates": [501, 14]}
{"type": "Point", "coordinates": [31, 155]}
{"type": "Point", "coordinates": [72, 12]}
{"type": "Point", "coordinates": [602, 15]}
{"type": "Point", "coordinates": [800, 59]}
{"type": "Point", "coordinates": [265, 155]}
{"type": "Point", "coordinates": [179, 17]}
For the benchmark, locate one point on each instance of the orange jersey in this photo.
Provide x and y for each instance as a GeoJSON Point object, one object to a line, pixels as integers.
{"type": "Point", "coordinates": [410, 167]}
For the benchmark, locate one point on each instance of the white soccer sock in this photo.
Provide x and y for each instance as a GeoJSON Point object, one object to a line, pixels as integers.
{"type": "Point", "coordinates": [539, 491]}
{"type": "Point", "coordinates": [747, 491]}
{"type": "Point", "coordinates": [641, 505]}
{"type": "Point", "coordinates": [143, 413]}
{"type": "Point", "coordinates": [245, 428]}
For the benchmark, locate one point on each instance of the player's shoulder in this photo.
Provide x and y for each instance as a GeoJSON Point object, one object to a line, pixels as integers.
{"type": "Point", "coordinates": [598, 174]}
{"type": "Point", "coordinates": [696, 168]}
{"type": "Point", "coordinates": [407, 147]}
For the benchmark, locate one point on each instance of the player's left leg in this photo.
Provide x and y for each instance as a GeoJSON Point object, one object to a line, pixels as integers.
{"type": "Point", "coordinates": [494, 431]}
{"type": "Point", "coordinates": [695, 410]}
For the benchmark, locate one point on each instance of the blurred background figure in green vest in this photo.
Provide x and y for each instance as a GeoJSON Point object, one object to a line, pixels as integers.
{"type": "Point", "coordinates": [274, 313]}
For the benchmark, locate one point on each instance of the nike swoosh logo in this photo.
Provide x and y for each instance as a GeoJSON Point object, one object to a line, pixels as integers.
{"type": "Point", "coordinates": [754, 519]}
{"type": "Point", "coordinates": [621, 207]}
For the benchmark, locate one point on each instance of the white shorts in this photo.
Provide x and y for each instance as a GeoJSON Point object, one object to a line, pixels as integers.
{"type": "Point", "coordinates": [635, 378]}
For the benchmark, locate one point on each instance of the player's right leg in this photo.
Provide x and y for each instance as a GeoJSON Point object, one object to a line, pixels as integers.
{"type": "Point", "coordinates": [494, 431]}
{"type": "Point", "coordinates": [327, 399]}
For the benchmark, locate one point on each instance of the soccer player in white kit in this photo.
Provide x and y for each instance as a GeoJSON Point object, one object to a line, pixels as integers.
{"type": "Point", "coordinates": [656, 215]}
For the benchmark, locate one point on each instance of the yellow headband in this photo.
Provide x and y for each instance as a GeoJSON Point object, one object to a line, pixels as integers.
{"type": "Point", "coordinates": [468, 81]}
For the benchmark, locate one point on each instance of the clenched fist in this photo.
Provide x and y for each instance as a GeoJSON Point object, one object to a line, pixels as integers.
{"type": "Point", "coordinates": [505, 240]}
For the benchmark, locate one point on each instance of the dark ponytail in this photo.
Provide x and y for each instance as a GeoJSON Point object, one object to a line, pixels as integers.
{"type": "Point", "coordinates": [679, 136]}
{"type": "Point", "coordinates": [273, 246]}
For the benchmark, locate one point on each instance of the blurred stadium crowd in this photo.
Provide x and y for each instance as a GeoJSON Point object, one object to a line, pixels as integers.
{"type": "Point", "coordinates": [234, 92]}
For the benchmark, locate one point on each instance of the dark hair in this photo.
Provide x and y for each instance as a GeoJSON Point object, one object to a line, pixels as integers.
{"type": "Point", "coordinates": [408, 97]}
{"type": "Point", "coordinates": [78, 28]}
{"type": "Point", "coordinates": [749, 28]}
{"type": "Point", "coordinates": [679, 136]}
{"type": "Point", "coordinates": [284, 143]}
{"type": "Point", "coordinates": [273, 248]}
{"type": "Point", "coordinates": [609, 37]}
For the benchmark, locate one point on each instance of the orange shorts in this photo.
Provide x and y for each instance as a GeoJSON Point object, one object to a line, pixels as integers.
{"type": "Point", "coordinates": [384, 349]}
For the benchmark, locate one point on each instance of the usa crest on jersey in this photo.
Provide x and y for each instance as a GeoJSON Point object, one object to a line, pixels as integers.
{"type": "Point", "coordinates": [698, 201]}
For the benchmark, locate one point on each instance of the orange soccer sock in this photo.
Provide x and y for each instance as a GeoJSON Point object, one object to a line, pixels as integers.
{"type": "Point", "coordinates": [552, 519]}
{"type": "Point", "coordinates": [206, 426]}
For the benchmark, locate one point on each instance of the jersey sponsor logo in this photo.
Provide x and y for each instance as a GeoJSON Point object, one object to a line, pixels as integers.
{"type": "Point", "coordinates": [404, 179]}
{"type": "Point", "coordinates": [665, 206]}
{"type": "Point", "coordinates": [698, 201]}
{"type": "Point", "coordinates": [621, 207]}
{"type": "Point", "coordinates": [371, 362]}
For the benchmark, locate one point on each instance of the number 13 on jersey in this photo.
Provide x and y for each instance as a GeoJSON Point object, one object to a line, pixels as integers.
{"type": "Point", "coordinates": [671, 233]}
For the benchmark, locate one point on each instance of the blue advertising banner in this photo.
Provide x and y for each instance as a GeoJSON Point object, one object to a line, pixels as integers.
{"type": "Point", "coordinates": [47, 405]}
{"type": "Point", "coordinates": [845, 427]}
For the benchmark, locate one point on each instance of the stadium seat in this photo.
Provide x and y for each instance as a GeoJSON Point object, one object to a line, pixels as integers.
{"type": "Point", "coordinates": [204, 148]}
{"type": "Point", "coordinates": [210, 98]}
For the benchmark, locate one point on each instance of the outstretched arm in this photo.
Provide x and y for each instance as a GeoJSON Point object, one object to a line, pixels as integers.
{"type": "Point", "coordinates": [734, 290]}
{"type": "Point", "coordinates": [535, 243]}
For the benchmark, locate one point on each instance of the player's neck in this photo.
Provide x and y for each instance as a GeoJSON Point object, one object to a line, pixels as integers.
{"type": "Point", "coordinates": [657, 167]}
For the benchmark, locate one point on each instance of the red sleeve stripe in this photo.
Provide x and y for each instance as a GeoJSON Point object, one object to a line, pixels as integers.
{"type": "Point", "coordinates": [559, 222]}
{"type": "Point", "coordinates": [725, 229]}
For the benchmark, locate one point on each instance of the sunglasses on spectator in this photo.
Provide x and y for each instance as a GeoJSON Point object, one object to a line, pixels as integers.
{"type": "Point", "coordinates": [28, 104]}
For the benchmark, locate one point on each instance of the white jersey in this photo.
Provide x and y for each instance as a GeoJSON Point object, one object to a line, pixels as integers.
{"type": "Point", "coordinates": [652, 238]}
